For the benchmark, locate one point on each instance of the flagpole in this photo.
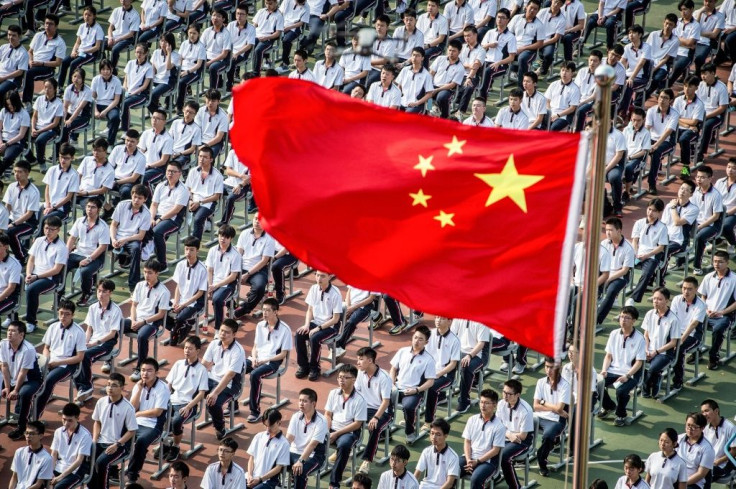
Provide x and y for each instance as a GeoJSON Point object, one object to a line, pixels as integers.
{"type": "Point", "coordinates": [604, 76]}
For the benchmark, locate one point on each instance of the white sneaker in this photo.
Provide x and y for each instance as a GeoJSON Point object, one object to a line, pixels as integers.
{"type": "Point", "coordinates": [731, 249]}
{"type": "Point", "coordinates": [333, 458]}
{"type": "Point", "coordinates": [518, 369]}
{"type": "Point", "coordinates": [630, 302]}
{"type": "Point", "coordinates": [106, 368]}
{"type": "Point", "coordinates": [30, 328]}
{"type": "Point", "coordinates": [365, 467]}
{"type": "Point", "coordinates": [85, 394]}
{"type": "Point", "coordinates": [504, 367]}
{"type": "Point", "coordinates": [339, 352]}
{"type": "Point", "coordinates": [6, 323]}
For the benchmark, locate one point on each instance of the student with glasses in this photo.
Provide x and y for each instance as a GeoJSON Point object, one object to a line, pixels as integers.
{"type": "Point", "coordinates": [225, 472]}
{"type": "Point", "coordinates": [518, 418]}
{"type": "Point", "coordinates": [32, 465]}
{"type": "Point", "coordinates": [696, 450]}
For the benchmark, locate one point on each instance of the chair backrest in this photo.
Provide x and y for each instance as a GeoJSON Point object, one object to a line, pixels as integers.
{"type": "Point", "coordinates": [89, 463]}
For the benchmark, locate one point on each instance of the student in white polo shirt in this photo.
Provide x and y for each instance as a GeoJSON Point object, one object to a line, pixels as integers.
{"type": "Point", "coordinates": [130, 222]}
{"type": "Point", "coordinates": [415, 81]}
{"type": "Point", "coordinates": [413, 372]}
{"type": "Point", "coordinates": [150, 398]}
{"type": "Point", "coordinates": [664, 44]}
{"type": "Point", "coordinates": [533, 102]}
{"type": "Point", "coordinates": [718, 290]}
{"type": "Point", "coordinates": [193, 57]}
{"type": "Point", "coordinates": [14, 126]}
{"type": "Point", "coordinates": [62, 182]}
{"type": "Point", "coordinates": [236, 186]}
{"type": "Point", "coordinates": [691, 310]}
{"type": "Point", "coordinates": [114, 427]}
{"type": "Point", "coordinates": [307, 433]}
{"type": "Point", "coordinates": [149, 305]}
{"type": "Point", "coordinates": [224, 264]}
{"type": "Point", "coordinates": [518, 418]}
{"type": "Point", "coordinates": [129, 163]}
{"type": "Point", "coordinates": [301, 70]}
{"type": "Point", "coordinates": [355, 66]}
{"type": "Point", "coordinates": [725, 185]}
{"type": "Point", "coordinates": [10, 273]}
{"type": "Point", "coordinates": [205, 184]}
{"type": "Point", "coordinates": [225, 473]}
{"type": "Point", "coordinates": [662, 124]}
{"type": "Point", "coordinates": [258, 249]}
{"type": "Point", "coordinates": [328, 72]}
{"type": "Point", "coordinates": [710, 212]}
{"type": "Point", "coordinates": [32, 465]}
{"type": "Point", "coordinates": [637, 59]}
{"type": "Point", "coordinates": [107, 91]}
{"type": "Point", "coordinates": [22, 202]}
{"type": "Point", "coordinates": [484, 437]}
{"type": "Point", "coordinates": [45, 54]}
{"type": "Point", "coordinates": [650, 240]}
{"type": "Point", "coordinates": [714, 94]}
{"type": "Point", "coordinates": [124, 23]}
{"type": "Point", "coordinates": [346, 412]}
{"type": "Point", "coordinates": [64, 344]}
{"type": "Point", "coordinates": [552, 402]}
{"type": "Point", "coordinates": [407, 37]}
{"type": "Point", "coordinates": [187, 135]}
{"type": "Point", "coordinates": [77, 105]}
{"type": "Point", "coordinates": [563, 98]}
{"type": "Point", "coordinates": [88, 45]}
{"type": "Point", "coordinates": [719, 431]}
{"type": "Point", "coordinates": [14, 62]}
{"type": "Point", "coordinates": [190, 295]}
{"type": "Point", "coordinates": [438, 464]}
{"type": "Point", "coordinates": [269, 453]}
{"type": "Point", "coordinates": [512, 116]}
{"type": "Point", "coordinates": [359, 304]}
{"type": "Point", "coordinates": [444, 347]}
{"type": "Point", "coordinates": [375, 385]}
{"type": "Point", "coordinates": [188, 381]}
{"type": "Point", "coordinates": [219, 45]}
{"type": "Point", "coordinates": [692, 115]}
{"type": "Point", "coordinates": [679, 216]}
{"type": "Point", "coordinates": [158, 146]}
{"type": "Point", "coordinates": [585, 80]}
{"type": "Point", "coordinates": [321, 323]}
{"type": "Point", "coordinates": [270, 349]}
{"type": "Point", "coordinates": [478, 117]}
{"type": "Point", "coordinates": [44, 271]}
{"type": "Point", "coordinates": [45, 121]}
{"type": "Point", "coordinates": [530, 34]}
{"type": "Point", "coordinates": [168, 209]}
{"type": "Point", "coordinates": [166, 63]}
{"type": "Point", "coordinates": [447, 74]}
{"type": "Point", "coordinates": [72, 442]}
{"type": "Point", "coordinates": [384, 92]}
{"type": "Point", "coordinates": [696, 450]}
{"type": "Point", "coordinates": [96, 174]}
{"type": "Point", "coordinates": [622, 258]}
{"type": "Point", "coordinates": [661, 328]}
{"type": "Point", "coordinates": [137, 82]}
{"type": "Point", "coordinates": [638, 144]}
{"type": "Point", "coordinates": [435, 29]}
{"type": "Point", "coordinates": [397, 477]}
{"type": "Point", "coordinates": [213, 121]}
{"type": "Point", "coordinates": [474, 340]}
{"type": "Point", "coordinates": [243, 35]}
{"type": "Point", "coordinates": [225, 359]}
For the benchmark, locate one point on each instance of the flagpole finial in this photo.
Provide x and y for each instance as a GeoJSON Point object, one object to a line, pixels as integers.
{"type": "Point", "coordinates": [604, 75]}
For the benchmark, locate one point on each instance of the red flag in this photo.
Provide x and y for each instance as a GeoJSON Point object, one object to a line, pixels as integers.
{"type": "Point", "coordinates": [454, 220]}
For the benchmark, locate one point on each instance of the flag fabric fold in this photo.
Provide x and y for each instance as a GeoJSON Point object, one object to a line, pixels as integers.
{"type": "Point", "coordinates": [454, 220]}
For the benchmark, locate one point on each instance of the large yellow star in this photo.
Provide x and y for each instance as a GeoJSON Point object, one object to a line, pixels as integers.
{"type": "Point", "coordinates": [420, 198]}
{"type": "Point", "coordinates": [455, 146]}
{"type": "Point", "coordinates": [509, 184]}
{"type": "Point", "coordinates": [424, 165]}
{"type": "Point", "coordinates": [445, 219]}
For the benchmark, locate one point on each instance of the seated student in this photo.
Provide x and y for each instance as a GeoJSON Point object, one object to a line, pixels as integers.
{"type": "Point", "coordinates": [444, 347]}
{"type": "Point", "coordinates": [281, 260]}
{"type": "Point", "coordinates": [271, 346]}
{"type": "Point", "coordinates": [130, 222]}
{"type": "Point", "coordinates": [205, 186]}
{"type": "Point", "coordinates": [623, 364]}
{"type": "Point", "coordinates": [28, 472]}
{"type": "Point", "coordinates": [638, 144]}
{"type": "Point", "coordinates": [474, 350]}
{"type": "Point", "coordinates": [10, 272]}
{"type": "Point", "coordinates": [166, 62]}
{"type": "Point", "coordinates": [187, 135]}
{"type": "Point", "coordinates": [150, 398]}
{"type": "Point", "coordinates": [46, 260]}
{"type": "Point", "coordinates": [45, 122]}
{"type": "Point", "coordinates": [137, 83]}
{"type": "Point", "coordinates": [407, 36]}
{"type": "Point", "coordinates": [356, 67]}
{"type": "Point", "coordinates": [15, 62]}
{"type": "Point", "coordinates": [64, 354]}
{"type": "Point", "coordinates": [512, 116]}
{"type": "Point", "coordinates": [500, 46]}
{"type": "Point", "coordinates": [438, 463]}
{"type": "Point", "coordinates": [96, 174]}
{"type": "Point", "coordinates": [190, 295]}
{"type": "Point", "coordinates": [129, 164]}
{"type": "Point", "coordinates": [257, 248]}
{"type": "Point", "coordinates": [529, 31]}
{"type": "Point", "coordinates": [413, 371]}
{"type": "Point", "coordinates": [193, 57]}
{"type": "Point", "coordinates": [243, 35]}
{"type": "Point", "coordinates": [111, 434]}
{"type": "Point", "coordinates": [107, 93]}
{"type": "Point", "coordinates": [21, 375]}
{"type": "Point", "coordinates": [650, 240]}
{"type": "Point", "coordinates": [62, 182]}
{"type": "Point", "coordinates": [691, 110]}
{"type": "Point", "coordinates": [533, 102]}
{"type": "Point", "coordinates": [103, 322]}
{"type": "Point", "coordinates": [306, 433]}
{"type": "Point", "coordinates": [71, 444]}
{"type": "Point", "coordinates": [13, 130]}
{"type": "Point", "coordinates": [178, 475]}
{"type": "Point", "coordinates": [664, 45]}
{"type": "Point", "coordinates": [691, 310]}
{"type": "Point", "coordinates": [224, 263]}
{"type": "Point", "coordinates": [321, 322]}
{"type": "Point", "coordinates": [236, 185]}
{"type": "Point", "coordinates": [552, 402]}
{"type": "Point", "coordinates": [225, 360]}
{"type": "Point", "coordinates": [77, 105]}
{"type": "Point", "coordinates": [517, 415]}
{"type": "Point", "coordinates": [327, 72]}
{"type": "Point", "coordinates": [168, 209]}
{"type": "Point", "coordinates": [563, 98]}
{"type": "Point", "coordinates": [87, 244]}
{"type": "Point", "coordinates": [187, 392]}
{"type": "Point", "coordinates": [397, 476]}
{"type": "Point", "coordinates": [585, 80]}
{"type": "Point", "coordinates": [358, 306]}
{"type": "Point", "coordinates": [225, 472]}
{"type": "Point", "coordinates": [122, 30]}
{"type": "Point", "coordinates": [478, 117]}
{"type": "Point", "coordinates": [213, 122]}
{"type": "Point", "coordinates": [384, 92]}
{"type": "Point", "coordinates": [615, 167]}
{"type": "Point", "coordinates": [383, 50]}
{"type": "Point", "coordinates": [608, 15]}
{"type": "Point", "coordinates": [725, 186]}
{"type": "Point", "coordinates": [45, 54]}
{"type": "Point", "coordinates": [149, 306]}
{"type": "Point", "coordinates": [718, 289]}
{"type": "Point", "coordinates": [554, 21]}
{"type": "Point", "coordinates": [633, 467]}
{"type": "Point", "coordinates": [661, 329]}
{"type": "Point", "coordinates": [710, 211]}
{"type": "Point", "coordinates": [88, 46]}
{"type": "Point", "coordinates": [153, 16]}
{"type": "Point", "coordinates": [414, 81]}
{"type": "Point", "coordinates": [688, 33]}
{"type": "Point", "coordinates": [269, 453]}
{"type": "Point", "coordinates": [471, 56]}
{"type": "Point", "coordinates": [218, 43]}
{"type": "Point", "coordinates": [637, 59]}
{"type": "Point", "coordinates": [374, 384]}
{"type": "Point", "coordinates": [22, 202]}
{"type": "Point", "coordinates": [482, 449]}
{"type": "Point", "coordinates": [718, 432]}
{"type": "Point", "coordinates": [696, 450]}
{"type": "Point", "coordinates": [661, 122]}
{"type": "Point", "coordinates": [447, 74]}
{"type": "Point", "coordinates": [679, 216]}
{"type": "Point", "coordinates": [714, 95]}
{"type": "Point", "coordinates": [571, 373]}
{"type": "Point", "coordinates": [621, 262]}
{"type": "Point", "coordinates": [613, 58]}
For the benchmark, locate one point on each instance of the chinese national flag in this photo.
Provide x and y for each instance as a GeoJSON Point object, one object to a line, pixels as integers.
{"type": "Point", "coordinates": [454, 220]}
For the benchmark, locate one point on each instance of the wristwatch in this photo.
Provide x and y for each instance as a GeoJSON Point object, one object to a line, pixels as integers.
{"type": "Point", "coordinates": [542, 402]}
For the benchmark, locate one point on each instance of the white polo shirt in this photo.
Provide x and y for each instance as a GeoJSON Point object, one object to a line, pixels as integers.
{"type": "Point", "coordinates": [728, 193]}
{"type": "Point", "coordinates": [446, 72]}
{"type": "Point", "coordinates": [64, 342]}
{"type": "Point", "coordinates": [324, 303]}
{"type": "Point", "coordinates": [699, 454]}
{"type": "Point", "coordinates": [116, 418]}
{"type": "Point", "coordinates": [661, 329]}
{"type": "Point", "coordinates": [235, 164]}
{"type": "Point", "coordinates": [268, 452]}
{"type": "Point", "coordinates": [509, 119]}
{"type": "Point", "coordinates": [691, 30]}
{"type": "Point", "coordinates": [223, 263]}
{"type": "Point", "coordinates": [216, 43]}
{"type": "Point", "coordinates": [390, 481]}
{"type": "Point", "coordinates": [637, 140]}
{"type": "Point", "coordinates": [10, 271]}
{"type": "Point", "coordinates": [105, 91]}
{"type": "Point", "coordinates": [158, 61]}
{"type": "Point", "coordinates": [150, 300]}
{"type": "Point", "coordinates": [690, 110]}
{"type": "Point", "coordinates": [650, 235]}
{"type": "Point", "coordinates": [413, 85]}
{"type": "Point", "coordinates": [213, 478]}
{"type": "Point", "coordinates": [136, 74]}
{"type": "Point", "coordinates": [185, 135]}
{"type": "Point", "coordinates": [186, 381]}
{"type": "Point", "coordinates": [689, 212]}
{"type": "Point", "coordinates": [406, 42]}
{"type": "Point", "coordinates": [190, 279]}
{"type": "Point", "coordinates": [129, 222]}
{"type": "Point", "coordinates": [470, 333]}
{"type": "Point", "coordinates": [155, 146]}
{"type": "Point", "coordinates": [611, 5]}
{"type": "Point", "coordinates": [526, 32]}
{"type": "Point", "coordinates": [353, 63]}
{"type": "Point", "coordinates": [562, 96]}
{"type": "Point", "coordinates": [534, 106]}
{"type": "Point", "coordinates": [553, 24]}
{"type": "Point", "coordinates": [634, 56]}
{"type": "Point", "coordinates": [718, 436]}
{"type": "Point", "coordinates": [155, 397]}
{"type": "Point", "coordinates": [390, 97]}
{"type": "Point", "coordinates": [24, 358]}
{"type": "Point", "coordinates": [225, 360]}
{"type": "Point", "coordinates": [242, 37]}
{"type": "Point", "coordinates": [47, 110]}
{"type": "Point", "coordinates": [519, 419]}
{"type": "Point", "coordinates": [484, 435]}
{"type": "Point", "coordinates": [126, 164]}
{"type": "Point", "coordinates": [180, 6]}
{"type": "Point", "coordinates": [384, 48]}
{"type": "Point", "coordinates": [48, 254]}
{"type": "Point", "coordinates": [254, 249]}
{"type": "Point", "coordinates": [60, 183]}
{"type": "Point", "coordinates": [268, 22]}
{"type": "Point", "coordinates": [45, 49]}
{"type": "Point", "coordinates": [665, 472]}
{"type": "Point", "coordinates": [718, 292]}
{"type": "Point", "coordinates": [21, 199]}
{"type": "Point", "coordinates": [88, 36]}
{"type": "Point", "coordinates": [294, 13]}
{"type": "Point", "coordinates": [269, 343]}
{"type": "Point", "coordinates": [69, 447]}
{"type": "Point", "coordinates": [413, 369]}
{"type": "Point", "coordinates": [94, 176]}
{"type": "Point", "coordinates": [709, 23]}
{"type": "Point", "coordinates": [75, 98]}
{"type": "Point", "coordinates": [625, 351]}
{"type": "Point", "coordinates": [469, 56]}
{"type": "Point", "coordinates": [585, 80]}
{"type": "Point", "coordinates": [124, 21]}
{"type": "Point", "coordinates": [620, 256]}
{"type": "Point", "coordinates": [687, 313]}
{"type": "Point", "coordinates": [167, 198]}
{"type": "Point", "coordinates": [13, 59]}
{"type": "Point", "coordinates": [571, 376]}
{"type": "Point", "coordinates": [306, 75]}
{"type": "Point", "coordinates": [604, 262]}
{"type": "Point", "coordinates": [483, 9]}
{"type": "Point", "coordinates": [328, 76]}
{"type": "Point", "coordinates": [103, 321]}
{"type": "Point", "coordinates": [211, 124]}
{"type": "Point", "coordinates": [203, 187]}
{"type": "Point", "coordinates": [458, 16]}
{"type": "Point", "coordinates": [13, 122]}
{"type": "Point", "coordinates": [619, 70]}
{"type": "Point", "coordinates": [485, 122]}
{"type": "Point", "coordinates": [663, 47]}
{"type": "Point", "coordinates": [432, 28]}
{"type": "Point", "coordinates": [153, 10]}
{"type": "Point", "coordinates": [30, 466]}
{"type": "Point", "coordinates": [89, 235]}
{"type": "Point", "coordinates": [708, 202]}
{"type": "Point", "coordinates": [615, 143]}
{"type": "Point", "coordinates": [305, 431]}
{"type": "Point", "coordinates": [728, 9]}
{"type": "Point", "coordinates": [375, 388]}
{"type": "Point", "coordinates": [543, 391]}
{"type": "Point", "coordinates": [345, 410]}
{"type": "Point", "coordinates": [713, 96]}
{"type": "Point", "coordinates": [191, 54]}
{"type": "Point", "coordinates": [438, 466]}
{"type": "Point", "coordinates": [658, 123]}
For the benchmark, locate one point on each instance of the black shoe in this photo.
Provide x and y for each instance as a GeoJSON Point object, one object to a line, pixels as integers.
{"type": "Point", "coordinates": [240, 312]}
{"type": "Point", "coordinates": [543, 470]}
{"type": "Point", "coordinates": [173, 454]}
{"type": "Point", "coordinates": [314, 375]}
{"type": "Point", "coordinates": [166, 451]}
{"type": "Point", "coordinates": [84, 300]}
{"type": "Point", "coordinates": [219, 434]}
{"type": "Point", "coordinates": [677, 386]}
{"type": "Point", "coordinates": [16, 435]}
{"type": "Point", "coordinates": [690, 359]}
{"type": "Point", "coordinates": [713, 365]}
{"type": "Point", "coordinates": [301, 373]}
{"type": "Point", "coordinates": [280, 299]}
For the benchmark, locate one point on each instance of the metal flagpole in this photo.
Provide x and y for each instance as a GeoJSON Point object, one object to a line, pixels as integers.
{"type": "Point", "coordinates": [604, 76]}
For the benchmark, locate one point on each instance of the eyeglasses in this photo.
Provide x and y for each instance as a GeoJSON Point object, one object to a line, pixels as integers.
{"type": "Point", "coordinates": [692, 427]}
{"type": "Point", "coordinates": [224, 450]}
{"type": "Point", "coordinates": [343, 377]}
{"type": "Point", "coordinates": [626, 318]}
{"type": "Point", "coordinates": [507, 393]}
{"type": "Point", "coordinates": [172, 171]}
{"type": "Point", "coordinates": [30, 433]}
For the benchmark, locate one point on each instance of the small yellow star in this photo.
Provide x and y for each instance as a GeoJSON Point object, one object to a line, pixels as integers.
{"type": "Point", "coordinates": [445, 219]}
{"type": "Point", "coordinates": [420, 198]}
{"type": "Point", "coordinates": [424, 165]}
{"type": "Point", "coordinates": [455, 146]}
{"type": "Point", "coordinates": [509, 184]}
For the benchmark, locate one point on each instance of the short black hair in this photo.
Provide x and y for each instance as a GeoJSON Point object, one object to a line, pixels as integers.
{"type": "Point", "coordinates": [152, 362]}
{"type": "Point", "coordinates": [67, 305]}
{"type": "Point", "coordinates": [207, 149]}
{"type": "Point", "coordinates": [272, 303]}
{"type": "Point", "coordinates": [195, 341]}
{"type": "Point", "coordinates": [442, 424]}
{"type": "Point", "coordinates": [363, 480]}
{"type": "Point", "coordinates": [272, 415]}
{"type": "Point", "coordinates": [53, 222]}
{"type": "Point", "coordinates": [71, 409]}
{"type": "Point", "coordinates": [227, 231]}
{"type": "Point", "coordinates": [67, 149]}
{"type": "Point", "coordinates": [100, 143]}
{"type": "Point", "coordinates": [489, 394]}
{"type": "Point", "coordinates": [514, 385]}
{"type": "Point", "coordinates": [232, 324]}
{"type": "Point", "coordinates": [140, 189]}
{"type": "Point", "coordinates": [212, 94]}
{"type": "Point", "coordinates": [107, 284]}
{"type": "Point", "coordinates": [400, 451]}
{"type": "Point", "coordinates": [180, 467]}
{"type": "Point", "coordinates": [230, 443]}
{"type": "Point", "coordinates": [310, 393]}
{"type": "Point", "coordinates": [367, 351]}
{"type": "Point", "coordinates": [38, 426]}
{"type": "Point", "coordinates": [132, 134]}
{"type": "Point", "coordinates": [631, 311]}
{"type": "Point", "coordinates": [153, 264]}
{"type": "Point", "coordinates": [192, 242]}
{"type": "Point", "coordinates": [117, 377]}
